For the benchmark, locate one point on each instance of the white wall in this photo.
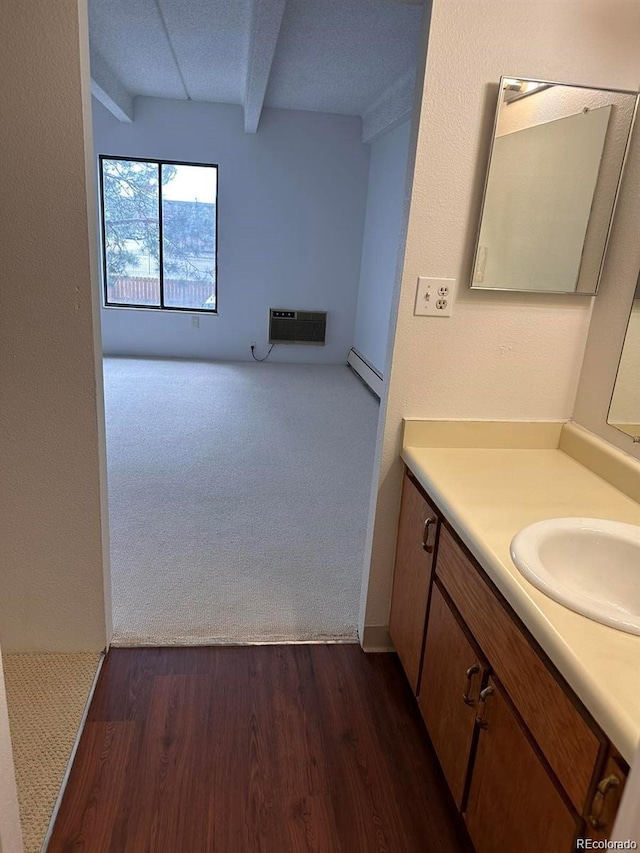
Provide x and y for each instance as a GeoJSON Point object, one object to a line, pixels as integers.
{"type": "Point", "coordinates": [291, 203]}
{"type": "Point", "coordinates": [381, 243]}
{"type": "Point", "coordinates": [54, 588]}
{"type": "Point", "coordinates": [513, 356]}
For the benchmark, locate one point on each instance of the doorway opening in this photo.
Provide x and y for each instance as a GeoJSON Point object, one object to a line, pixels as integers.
{"type": "Point", "coordinates": [240, 469]}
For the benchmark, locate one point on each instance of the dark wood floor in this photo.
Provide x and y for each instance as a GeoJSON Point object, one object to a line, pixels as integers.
{"type": "Point", "coordinates": [251, 749]}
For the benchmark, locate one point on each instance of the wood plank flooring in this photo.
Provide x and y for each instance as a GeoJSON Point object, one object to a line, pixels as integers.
{"type": "Point", "coordinates": [255, 749]}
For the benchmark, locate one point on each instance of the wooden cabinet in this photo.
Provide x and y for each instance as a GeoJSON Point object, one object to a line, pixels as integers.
{"type": "Point", "coordinates": [527, 765]}
{"type": "Point", "coordinates": [453, 674]}
{"type": "Point", "coordinates": [417, 534]}
{"type": "Point", "coordinates": [606, 799]}
{"type": "Point", "coordinates": [563, 733]}
{"type": "Point", "coordinates": [513, 802]}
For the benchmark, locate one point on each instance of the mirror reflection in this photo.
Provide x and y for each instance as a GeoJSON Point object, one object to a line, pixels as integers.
{"type": "Point", "coordinates": [624, 411]}
{"type": "Point", "coordinates": [554, 170]}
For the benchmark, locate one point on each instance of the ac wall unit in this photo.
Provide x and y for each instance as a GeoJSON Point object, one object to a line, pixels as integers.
{"type": "Point", "coordinates": [297, 327]}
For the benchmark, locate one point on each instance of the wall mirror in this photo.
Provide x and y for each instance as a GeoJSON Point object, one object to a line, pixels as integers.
{"type": "Point", "coordinates": [555, 165]}
{"type": "Point", "coordinates": [624, 411]}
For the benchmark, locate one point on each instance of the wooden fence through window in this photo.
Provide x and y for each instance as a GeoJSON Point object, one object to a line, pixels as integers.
{"type": "Point", "coordinates": [146, 291]}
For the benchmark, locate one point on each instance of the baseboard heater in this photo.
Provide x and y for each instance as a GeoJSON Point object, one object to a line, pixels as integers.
{"type": "Point", "coordinates": [365, 371]}
{"type": "Point", "coordinates": [297, 327]}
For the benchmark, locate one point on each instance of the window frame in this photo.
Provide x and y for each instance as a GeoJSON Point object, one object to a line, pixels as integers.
{"type": "Point", "coordinates": [103, 237]}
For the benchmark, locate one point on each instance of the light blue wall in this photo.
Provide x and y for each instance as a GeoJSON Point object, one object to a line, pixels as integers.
{"type": "Point", "coordinates": [382, 230]}
{"type": "Point", "coordinates": [291, 204]}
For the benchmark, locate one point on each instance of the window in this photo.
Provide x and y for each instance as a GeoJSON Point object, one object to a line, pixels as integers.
{"type": "Point", "coordinates": [159, 234]}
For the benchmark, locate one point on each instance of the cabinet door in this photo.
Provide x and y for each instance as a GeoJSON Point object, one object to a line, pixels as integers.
{"type": "Point", "coordinates": [604, 806]}
{"type": "Point", "coordinates": [452, 675]}
{"type": "Point", "coordinates": [565, 737]}
{"type": "Point", "coordinates": [417, 532]}
{"type": "Point", "coordinates": [514, 807]}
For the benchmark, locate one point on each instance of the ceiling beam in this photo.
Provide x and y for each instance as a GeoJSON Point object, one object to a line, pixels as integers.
{"type": "Point", "coordinates": [108, 89]}
{"type": "Point", "coordinates": [390, 108]}
{"type": "Point", "coordinates": [266, 19]}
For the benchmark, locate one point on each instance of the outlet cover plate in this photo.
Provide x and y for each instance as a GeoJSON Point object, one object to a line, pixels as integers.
{"type": "Point", "coordinates": [434, 297]}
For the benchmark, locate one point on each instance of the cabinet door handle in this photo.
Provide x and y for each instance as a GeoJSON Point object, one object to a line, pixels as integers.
{"type": "Point", "coordinates": [482, 705]}
{"type": "Point", "coordinates": [466, 698]}
{"type": "Point", "coordinates": [425, 533]}
{"type": "Point", "coordinates": [597, 806]}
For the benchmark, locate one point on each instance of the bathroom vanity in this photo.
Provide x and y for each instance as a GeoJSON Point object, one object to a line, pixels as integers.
{"type": "Point", "coordinates": [533, 710]}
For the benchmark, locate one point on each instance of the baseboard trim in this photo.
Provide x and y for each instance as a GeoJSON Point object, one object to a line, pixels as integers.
{"type": "Point", "coordinates": [365, 371]}
{"type": "Point", "coordinates": [199, 642]}
{"type": "Point", "coordinates": [375, 638]}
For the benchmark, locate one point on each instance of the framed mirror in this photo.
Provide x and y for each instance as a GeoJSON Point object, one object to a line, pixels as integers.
{"type": "Point", "coordinates": [624, 410]}
{"type": "Point", "coordinates": [556, 161]}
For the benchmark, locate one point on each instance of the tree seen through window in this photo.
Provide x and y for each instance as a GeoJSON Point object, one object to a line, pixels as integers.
{"type": "Point", "coordinates": [159, 233]}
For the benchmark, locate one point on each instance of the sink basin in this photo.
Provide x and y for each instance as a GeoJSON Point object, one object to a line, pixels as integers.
{"type": "Point", "coordinates": [590, 565]}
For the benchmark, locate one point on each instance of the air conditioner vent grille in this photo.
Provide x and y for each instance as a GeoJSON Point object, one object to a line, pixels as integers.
{"type": "Point", "coordinates": [287, 326]}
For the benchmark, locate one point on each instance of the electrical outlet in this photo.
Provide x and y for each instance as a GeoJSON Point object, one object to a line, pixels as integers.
{"type": "Point", "coordinates": [195, 321]}
{"type": "Point", "coordinates": [434, 297]}
{"type": "Point", "coordinates": [253, 344]}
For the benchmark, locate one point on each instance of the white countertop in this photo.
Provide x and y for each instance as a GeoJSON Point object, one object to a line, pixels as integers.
{"type": "Point", "coordinates": [488, 495]}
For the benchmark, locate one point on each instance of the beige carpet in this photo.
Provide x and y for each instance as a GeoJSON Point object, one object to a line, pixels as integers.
{"type": "Point", "coordinates": [46, 695]}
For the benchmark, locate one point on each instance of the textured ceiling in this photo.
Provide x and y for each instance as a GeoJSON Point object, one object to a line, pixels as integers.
{"type": "Point", "coordinates": [174, 48]}
{"type": "Point", "coordinates": [338, 55]}
{"type": "Point", "coordinates": [330, 56]}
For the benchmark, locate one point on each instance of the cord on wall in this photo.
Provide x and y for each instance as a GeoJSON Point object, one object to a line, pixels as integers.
{"type": "Point", "coordinates": [253, 347]}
